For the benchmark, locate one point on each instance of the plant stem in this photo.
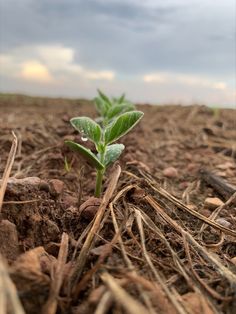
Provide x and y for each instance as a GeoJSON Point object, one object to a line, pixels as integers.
{"type": "Point", "coordinates": [99, 178]}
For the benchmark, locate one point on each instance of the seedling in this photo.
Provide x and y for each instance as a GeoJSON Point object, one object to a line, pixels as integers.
{"type": "Point", "coordinates": [104, 136]}
{"type": "Point", "coordinates": [109, 109]}
{"type": "Point", "coordinates": [67, 165]}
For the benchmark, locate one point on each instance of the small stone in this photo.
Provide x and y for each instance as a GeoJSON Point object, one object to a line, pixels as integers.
{"type": "Point", "coordinates": [213, 202]}
{"type": "Point", "coordinates": [170, 172]}
{"type": "Point", "coordinates": [223, 222]}
{"type": "Point", "coordinates": [183, 185]}
{"type": "Point", "coordinates": [205, 212]}
{"type": "Point", "coordinates": [138, 194]}
{"type": "Point", "coordinates": [9, 246]}
{"type": "Point", "coordinates": [90, 207]}
{"type": "Point", "coordinates": [192, 167]}
{"type": "Point", "coordinates": [233, 260]}
{"type": "Point", "coordinates": [69, 201]}
{"type": "Point", "coordinates": [192, 206]}
{"type": "Point", "coordinates": [15, 186]}
{"type": "Point", "coordinates": [56, 187]}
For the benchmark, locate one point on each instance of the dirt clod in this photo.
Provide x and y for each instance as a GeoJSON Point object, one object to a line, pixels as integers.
{"type": "Point", "coordinates": [213, 202]}
{"type": "Point", "coordinates": [9, 246]}
{"type": "Point", "coordinates": [170, 172]}
{"type": "Point", "coordinates": [56, 187]}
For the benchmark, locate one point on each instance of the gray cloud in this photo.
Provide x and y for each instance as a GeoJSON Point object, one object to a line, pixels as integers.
{"type": "Point", "coordinates": [131, 37]}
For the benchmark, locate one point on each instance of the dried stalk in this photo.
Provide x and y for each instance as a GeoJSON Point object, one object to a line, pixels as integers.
{"type": "Point", "coordinates": [8, 168]}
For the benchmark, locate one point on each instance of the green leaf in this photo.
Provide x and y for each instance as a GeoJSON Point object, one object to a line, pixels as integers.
{"type": "Point", "coordinates": [88, 128]}
{"type": "Point", "coordinates": [119, 109]}
{"type": "Point", "coordinates": [113, 153]}
{"type": "Point", "coordinates": [86, 153]}
{"type": "Point", "coordinates": [121, 99]}
{"type": "Point", "coordinates": [121, 125]}
{"type": "Point", "coordinates": [105, 98]}
{"type": "Point", "coordinates": [101, 106]}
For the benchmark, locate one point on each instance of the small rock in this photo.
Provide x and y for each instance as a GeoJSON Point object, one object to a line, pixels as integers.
{"type": "Point", "coordinates": [56, 187]}
{"type": "Point", "coordinates": [223, 222]}
{"type": "Point", "coordinates": [192, 206]}
{"type": "Point", "coordinates": [69, 201]}
{"type": "Point", "coordinates": [90, 207]}
{"type": "Point", "coordinates": [170, 172]}
{"type": "Point", "coordinates": [233, 260]}
{"type": "Point", "coordinates": [138, 194]}
{"type": "Point", "coordinates": [9, 246]}
{"type": "Point", "coordinates": [15, 186]}
{"type": "Point", "coordinates": [183, 185]}
{"type": "Point", "coordinates": [213, 202]}
{"type": "Point", "coordinates": [205, 212]}
{"type": "Point", "coordinates": [192, 167]}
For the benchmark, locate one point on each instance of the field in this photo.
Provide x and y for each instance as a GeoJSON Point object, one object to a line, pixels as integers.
{"type": "Point", "coordinates": [162, 239]}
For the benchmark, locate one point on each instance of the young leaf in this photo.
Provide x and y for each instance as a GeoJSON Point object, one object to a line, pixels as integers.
{"type": "Point", "coordinates": [119, 109]}
{"type": "Point", "coordinates": [87, 154]}
{"type": "Point", "coordinates": [121, 125]}
{"type": "Point", "coordinates": [101, 106]}
{"type": "Point", "coordinates": [112, 153]}
{"type": "Point", "coordinates": [105, 98]}
{"type": "Point", "coordinates": [88, 128]}
{"type": "Point", "coordinates": [121, 99]}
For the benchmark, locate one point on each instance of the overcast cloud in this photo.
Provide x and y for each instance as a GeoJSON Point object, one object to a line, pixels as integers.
{"type": "Point", "coordinates": [156, 51]}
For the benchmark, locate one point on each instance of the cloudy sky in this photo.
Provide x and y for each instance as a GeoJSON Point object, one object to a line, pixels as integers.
{"type": "Point", "coordinates": [157, 51]}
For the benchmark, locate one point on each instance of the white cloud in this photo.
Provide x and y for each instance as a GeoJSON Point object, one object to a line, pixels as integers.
{"type": "Point", "coordinates": [158, 78]}
{"type": "Point", "coordinates": [184, 79]}
{"type": "Point", "coordinates": [47, 63]}
{"type": "Point", "coordinates": [52, 70]}
{"type": "Point", "coordinates": [100, 75]}
{"type": "Point", "coordinates": [34, 70]}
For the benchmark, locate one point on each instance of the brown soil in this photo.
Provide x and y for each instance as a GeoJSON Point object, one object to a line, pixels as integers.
{"type": "Point", "coordinates": [152, 247]}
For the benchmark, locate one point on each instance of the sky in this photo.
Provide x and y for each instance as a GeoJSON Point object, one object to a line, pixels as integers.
{"type": "Point", "coordinates": [156, 51]}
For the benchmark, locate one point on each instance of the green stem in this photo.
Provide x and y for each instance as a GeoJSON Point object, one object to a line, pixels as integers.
{"type": "Point", "coordinates": [100, 174]}
{"type": "Point", "coordinates": [99, 178]}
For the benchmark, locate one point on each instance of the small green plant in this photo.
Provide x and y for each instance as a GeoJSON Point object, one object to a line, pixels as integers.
{"type": "Point", "coordinates": [67, 165]}
{"type": "Point", "coordinates": [109, 109]}
{"type": "Point", "coordinates": [118, 117]}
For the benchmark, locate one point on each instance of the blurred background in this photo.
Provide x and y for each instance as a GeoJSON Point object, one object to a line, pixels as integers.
{"type": "Point", "coordinates": [156, 51]}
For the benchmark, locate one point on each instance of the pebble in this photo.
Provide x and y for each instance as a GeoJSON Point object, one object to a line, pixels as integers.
{"type": "Point", "coordinates": [89, 208]}
{"type": "Point", "coordinates": [56, 187]}
{"type": "Point", "coordinates": [170, 172]}
{"type": "Point", "coordinates": [213, 202]}
{"type": "Point", "coordinates": [69, 201]}
{"type": "Point", "coordinates": [192, 206]}
{"type": "Point", "coordinates": [223, 222]}
{"type": "Point", "coordinates": [9, 246]}
{"type": "Point", "coordinates": [138, 194]}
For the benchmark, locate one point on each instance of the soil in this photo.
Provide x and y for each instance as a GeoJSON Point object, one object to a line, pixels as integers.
{"type": "Point", "coordinates": [158, 243]}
